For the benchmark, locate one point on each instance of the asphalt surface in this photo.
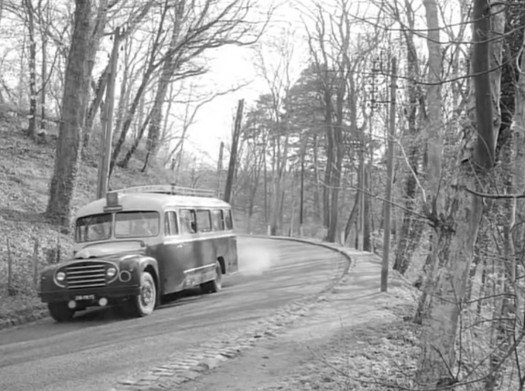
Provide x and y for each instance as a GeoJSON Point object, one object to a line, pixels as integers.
{"type": "Point", "coordinates": [99, 350]}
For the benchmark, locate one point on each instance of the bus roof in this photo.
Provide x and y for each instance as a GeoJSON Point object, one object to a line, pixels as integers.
{"type": "Point", "coordinates": [152, 201]}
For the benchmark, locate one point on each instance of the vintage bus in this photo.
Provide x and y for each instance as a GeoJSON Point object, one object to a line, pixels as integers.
{"type": "Point", "coordinates": [139, 244]}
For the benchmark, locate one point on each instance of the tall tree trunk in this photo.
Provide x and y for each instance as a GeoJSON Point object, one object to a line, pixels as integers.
{"type": "Point", "coordinates": [74, 103]}
{"type": "Point", "coordinates": [352, 218]}
{"type": "Point", "coordinates": [32, 126]}
{"type": "Point", "coordinates": [361, 194]}
{"type": "Point", "coordinates": [337, 134]}
{"type": "Point", "coordinates": [411, 227]}
{"type": "Point", "coordinates": [129, 119]}
{"type": "Point", "coordinates": [92, 110]}
{"type": "Point", "coordinates": [135, 144]}
{"type": "Point", "coordinates": [170, 65]}
{"type": "Point", "coordinates": [518, 134]}
{"type": "Point", "coordinates": [277, 195]}
{"type": "Point", "coordinates": [367, 227]}
{"type": "Point", "coordinates": [150, 68]}
{"type": "Point", "coordinates": [458, 230]}
{"type": "Point", "coordinates": [329, 134]}
{"type": "Point", "coordinates": [389, 177]}
{"type": "Point", "coordinates": [43, 69]}
{"type": "Point", "coordinates": [317, 177]}
{"type": "Point", "coordinates": [107, 123]}
{"type": "Point", "coordinates": [433, 126]}
{"type": "Point", "coordinates": [504, 85]}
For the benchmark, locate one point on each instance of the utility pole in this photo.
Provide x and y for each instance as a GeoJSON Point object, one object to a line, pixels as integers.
{"type": "Point", "coordinates": [107, 120]}
{"type": "Point", "coordinates": [219, 168]}
{"type": "Point", "coordinates": [233, 152]}
{"type": "Point", "coordinates": [301, 198]}
{"type": "Point", "coordinates": [389, 176]}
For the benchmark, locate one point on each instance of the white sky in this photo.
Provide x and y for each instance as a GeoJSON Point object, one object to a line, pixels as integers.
{"type": "Point", "coordinates": [232, 66]}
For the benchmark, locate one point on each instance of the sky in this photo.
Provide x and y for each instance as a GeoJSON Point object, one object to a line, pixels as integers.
{"type": "Point", "coordinates": [231, 66]}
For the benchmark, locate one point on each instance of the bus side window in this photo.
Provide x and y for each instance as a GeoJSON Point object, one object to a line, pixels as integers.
{"type": "Point", "coordinates": [187, 221]}
{"type": "Point", "coordinates": [203, 220]}
{"type": "Point", "coordinates": [228, 219]}
{"type": "Point", "coordinates": [217, 220]}
{"type": "Point", "coordinates": [170, 224]}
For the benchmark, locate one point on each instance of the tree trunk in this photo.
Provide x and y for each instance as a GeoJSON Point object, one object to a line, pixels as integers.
{"type": "Point", "coordinates": [352, 218]}
{"type": "Point", "coordinates": [367, 240]}
{"type": "Point", "coordinates": [127, 157]}
{"type": "Point", "coordinates": [74, 102]}
{"type": "Point", "coordinates": [504, 98]}
{"type": "Point", "coordinates": [94, 106]}
{"type": "Point", "coordinates": [170, 65]}
{"type": "Point", "coordinates": [389, 177]}
{"type": "Point", "coordinates": [518, 134]}
{"type": "Point", "coordinates": [411, 227]}
{"type": "Point", "coordinates": [337, 130]}
{"type": "Point", "coordinates": [32, 126]}
{"type": "Point", "coordinates": [317, 177]}
{"type": "Point", "coordinates": [329, 134]}
{"type": "Point", "coordinates": [150, 68]}
{"type": "Point", "coordinates": [107, 123]}
{"type": "Point", "coordinates": [458, 229]}
{"type": "Point", "coordinates": [43, 69]}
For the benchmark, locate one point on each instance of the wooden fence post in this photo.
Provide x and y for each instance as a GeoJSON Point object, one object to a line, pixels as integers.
{"type": "Point", "coordinates": [35, 262]}
{"type": "Point", "coordinates": [58, 252]}
{"type": "Point", "coordinates": [10, 290]}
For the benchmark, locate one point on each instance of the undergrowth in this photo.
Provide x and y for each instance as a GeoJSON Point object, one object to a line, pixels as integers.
{"type": "Point", "coordinates": [27, 241]}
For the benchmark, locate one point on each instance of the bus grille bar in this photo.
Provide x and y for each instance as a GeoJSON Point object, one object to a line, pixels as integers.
{"type": "Point", "coordinates": [86, 275]}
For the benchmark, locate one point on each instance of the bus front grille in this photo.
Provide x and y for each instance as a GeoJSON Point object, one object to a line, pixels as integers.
{"type": "Point", "coordinates": [86, 275]}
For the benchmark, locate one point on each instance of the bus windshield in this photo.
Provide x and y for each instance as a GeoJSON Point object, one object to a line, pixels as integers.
{"type": "Point", "coordinates": [92, 228]}
{"type": "Point", "coordinates": [136, 224]}
{"type": "Point", "coordinates": [127, 225]}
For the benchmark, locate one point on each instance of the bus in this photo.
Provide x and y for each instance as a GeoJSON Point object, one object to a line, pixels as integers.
{"type": "Point", "coordinates": [139, 244]}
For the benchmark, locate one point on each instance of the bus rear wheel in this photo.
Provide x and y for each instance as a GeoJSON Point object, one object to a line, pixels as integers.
{"type": "Point", "coordinates": [214, 285]}
{"type": "Point", "coordinates": [60, 311]}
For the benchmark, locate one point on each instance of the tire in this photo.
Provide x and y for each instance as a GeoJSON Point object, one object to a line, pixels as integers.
{"type": "Point", "coordinates": [60, 312]}
{"type": "Point", "coordinates": [214, 285]}
{"type": "Point", "coordinates": [144, 303]}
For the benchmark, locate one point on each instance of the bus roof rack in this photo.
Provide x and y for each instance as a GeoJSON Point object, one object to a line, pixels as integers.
{"type": "Point", "coordinates": [170, 189]}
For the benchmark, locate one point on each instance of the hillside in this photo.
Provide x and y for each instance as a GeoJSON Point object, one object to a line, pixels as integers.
{"type": "Point", "coordinates": [25, 173]}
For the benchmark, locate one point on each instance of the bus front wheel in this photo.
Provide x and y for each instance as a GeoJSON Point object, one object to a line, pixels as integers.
{"type": "Point", "coordinates": [60, 311]}
{"type": "Point", "coordinates": [144, 303]}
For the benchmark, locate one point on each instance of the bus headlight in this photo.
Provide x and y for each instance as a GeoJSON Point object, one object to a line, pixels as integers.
{"type": "Point", "coordinates": [61, 276]}
{"type": "Point", "coordinates": [111, 272]}
{"type": "Point", "coordinates": [60, 279]}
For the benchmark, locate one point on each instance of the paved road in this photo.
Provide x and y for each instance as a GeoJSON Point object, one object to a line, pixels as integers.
{"type": "Point", "coordinates": [99, 350]}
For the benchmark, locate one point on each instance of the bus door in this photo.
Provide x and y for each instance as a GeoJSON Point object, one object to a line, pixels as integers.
{"type": "Point", "coordinates": [206, 250]}
{"type": "Point", "coordinates": [174, 253]}
{"type": "Point", "coordinates": [189, 249]}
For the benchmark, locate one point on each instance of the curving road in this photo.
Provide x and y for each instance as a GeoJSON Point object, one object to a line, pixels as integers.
{"type": "Point", "coordinates": [98, 349]}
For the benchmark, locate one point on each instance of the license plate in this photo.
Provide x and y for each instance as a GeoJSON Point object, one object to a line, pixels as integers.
{"type": "Point", "coordinates": [84, 297]}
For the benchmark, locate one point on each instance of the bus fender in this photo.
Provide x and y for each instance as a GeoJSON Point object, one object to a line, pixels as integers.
{"type": "Point", "coordinates": [137, 264]}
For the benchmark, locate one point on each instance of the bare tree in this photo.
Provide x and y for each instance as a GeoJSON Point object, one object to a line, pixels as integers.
{"type": "Point", "coordinates": [412, 226]}
{"type": "Point", "coordinates": [457, 231]}
{"type": "Point", "coordinates": [198, 26]}
{"type": "Point", "coordinates": [30, 22]}
{"type": "Point", "coordinates": [88, 26]}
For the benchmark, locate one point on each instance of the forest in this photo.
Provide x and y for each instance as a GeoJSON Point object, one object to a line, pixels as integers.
{"type": "Point", "coordinates": [391, 126]}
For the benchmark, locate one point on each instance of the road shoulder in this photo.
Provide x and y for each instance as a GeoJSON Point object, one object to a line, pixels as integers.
{"type": "Point", "coordinates": [355, 338]}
